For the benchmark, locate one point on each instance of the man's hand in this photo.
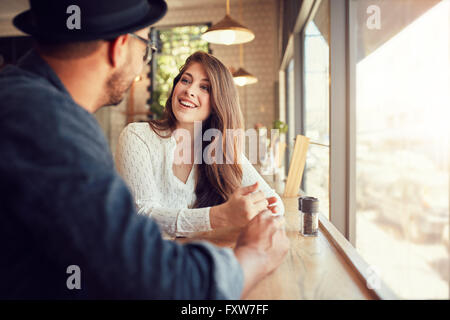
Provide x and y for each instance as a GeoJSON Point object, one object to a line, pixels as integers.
{"type": "Point", "coordinates": [261, 247]}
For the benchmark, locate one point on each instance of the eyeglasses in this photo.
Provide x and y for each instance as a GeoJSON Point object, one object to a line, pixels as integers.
{"type": "Point", "coordinates": [150, 47]}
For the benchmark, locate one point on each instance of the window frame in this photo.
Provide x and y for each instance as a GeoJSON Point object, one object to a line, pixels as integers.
{"type": "Point", "coordinates": [350, 50]}
{"type": "Point", "coordinates": [342, 119]}
{"type": "Point", "coordinates": [343, 40]}
{"type": "Point", "coordinates": [342, 124]}
{"type": "Point", "coordinates": [314, 9]}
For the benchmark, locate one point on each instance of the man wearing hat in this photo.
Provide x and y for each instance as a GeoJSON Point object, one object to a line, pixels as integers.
{"type": "Point", "coordinates": [68, 225]}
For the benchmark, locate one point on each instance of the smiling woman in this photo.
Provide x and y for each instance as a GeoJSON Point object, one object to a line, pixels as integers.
{"type": "Point", "coordinates": [190, 99]}
{"type": "Point", "coordinates": [189, 197]}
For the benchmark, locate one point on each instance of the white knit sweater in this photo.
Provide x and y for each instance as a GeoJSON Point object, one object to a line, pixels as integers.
{"type": "Point", "coordinates": [145, 162]}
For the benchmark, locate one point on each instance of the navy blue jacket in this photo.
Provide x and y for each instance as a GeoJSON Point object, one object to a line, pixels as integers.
{"type": "Point", "coordinates": [62, 203]}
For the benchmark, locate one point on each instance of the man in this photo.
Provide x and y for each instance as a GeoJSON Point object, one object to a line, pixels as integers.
{"type": "Point", "coordinates": [68, 226]}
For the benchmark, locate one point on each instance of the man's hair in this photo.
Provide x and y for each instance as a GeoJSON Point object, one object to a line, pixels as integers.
{"type": "Point", "coordinates": [67, 50]}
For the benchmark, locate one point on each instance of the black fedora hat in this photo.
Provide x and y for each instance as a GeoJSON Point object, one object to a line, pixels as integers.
{"type": "Point", "coordinates": [96, 19]}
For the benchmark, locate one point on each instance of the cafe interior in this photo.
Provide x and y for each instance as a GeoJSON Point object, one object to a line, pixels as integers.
{"type": "Point", "coordinates": [350, 102]}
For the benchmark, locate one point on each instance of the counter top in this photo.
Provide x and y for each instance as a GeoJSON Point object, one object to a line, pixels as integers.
{"type": "Point", "coordinates": [322, 267]}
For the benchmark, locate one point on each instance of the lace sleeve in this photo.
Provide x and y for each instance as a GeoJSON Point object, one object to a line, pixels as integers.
{"type": "Point", "coordinates": [250, 176]}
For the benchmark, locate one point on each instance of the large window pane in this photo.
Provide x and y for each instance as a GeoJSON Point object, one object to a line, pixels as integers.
{"type": "Point", "coordinates": [316, 101]}
{"type": "Point", "coordinates": [175, 45]}
{"type": "Point", "coordinates": [402, 143]}
{"type": "Point", "coordinates": [318, 159]}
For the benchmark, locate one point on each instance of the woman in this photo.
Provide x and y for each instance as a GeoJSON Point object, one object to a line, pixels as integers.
{"type": "Point", "coordinates": [188, 196]}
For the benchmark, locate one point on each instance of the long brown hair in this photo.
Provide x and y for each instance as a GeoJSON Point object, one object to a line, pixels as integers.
{"type": "Point", "coordinates": [214, 182]}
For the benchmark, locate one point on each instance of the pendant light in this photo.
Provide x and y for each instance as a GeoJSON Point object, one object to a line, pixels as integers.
{"type": "Point", "coordinates": [228, 31]}
{"type": "Point", "coordinates": [241, 76]}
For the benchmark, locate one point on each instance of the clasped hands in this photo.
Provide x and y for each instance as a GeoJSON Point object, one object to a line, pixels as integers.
{"type": "Point", "coordinates": [243, 205]}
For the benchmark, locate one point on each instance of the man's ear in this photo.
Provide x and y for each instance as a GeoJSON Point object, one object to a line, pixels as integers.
{"type": "Point", "coordinates": [118, 50]}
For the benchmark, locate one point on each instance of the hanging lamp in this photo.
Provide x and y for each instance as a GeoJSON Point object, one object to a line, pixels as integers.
{"type": "Point", "coordinates": [228, 31]}
{"type": "Point", "coordinates": [241, 76]}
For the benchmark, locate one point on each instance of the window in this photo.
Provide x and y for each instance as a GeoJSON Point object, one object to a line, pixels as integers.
{"type": "Point", "coordinates": [175, 45]}
{"type": "Point", "coordinates": [316, 104]}
{"type": "Point", "coordinates": [402, 142]}
{"type": "Point", "coordinates": [290, 112]}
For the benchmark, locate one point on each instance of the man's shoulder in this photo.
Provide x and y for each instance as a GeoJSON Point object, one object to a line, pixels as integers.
{"type": "Point", "coordinates": [37, 102]}
{"type": "Point", "coordinates": [22, 88]}
{"type": "Point", "coordinates": [32, 108]}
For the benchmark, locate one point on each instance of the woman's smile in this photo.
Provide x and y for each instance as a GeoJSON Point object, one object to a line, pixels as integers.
{"type": "Point", "coordinates": [186, 103]}
{"type": "Point", "coordinates": [191, 95]}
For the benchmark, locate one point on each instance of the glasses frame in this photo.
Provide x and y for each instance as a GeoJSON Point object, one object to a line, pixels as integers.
{"type": "Point", "coordinates": [150, 47]}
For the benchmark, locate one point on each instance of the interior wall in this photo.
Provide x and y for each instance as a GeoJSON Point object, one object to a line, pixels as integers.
{"type": "Point", "coordinates": [258, 101]}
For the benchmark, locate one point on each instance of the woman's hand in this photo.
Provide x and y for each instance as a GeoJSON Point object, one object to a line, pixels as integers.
{"type": "Point", "coordinates": [244, 204]}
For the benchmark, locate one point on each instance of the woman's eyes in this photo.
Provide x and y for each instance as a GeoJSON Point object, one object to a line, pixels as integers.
{"type": "Point", "coordinates": [203, 87]}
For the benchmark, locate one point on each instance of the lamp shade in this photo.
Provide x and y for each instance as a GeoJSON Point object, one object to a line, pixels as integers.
{"type": "Point", "coordinates": [242, 77]}
{"type": "Point", "coordinates": [228, 31]}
